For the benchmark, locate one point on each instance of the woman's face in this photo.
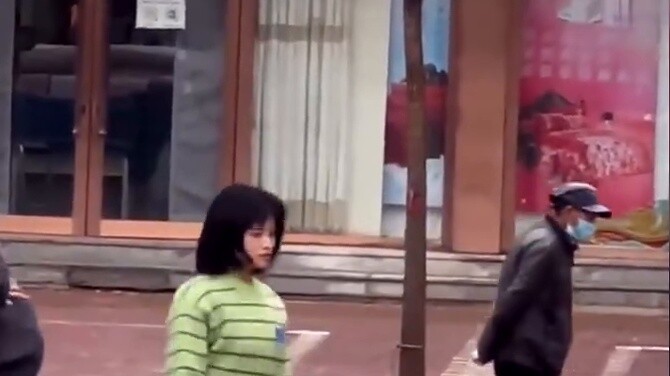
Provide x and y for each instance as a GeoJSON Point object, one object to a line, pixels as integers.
{"type": "Point", "coordinates": [259, 241]}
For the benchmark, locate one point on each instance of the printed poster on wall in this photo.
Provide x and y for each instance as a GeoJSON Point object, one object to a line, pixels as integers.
{"type": "Point", "coordinates": [588, 96]}
{"type": "Point", "coordinates": [161, 14]}
{"type": "Point", "coordinates": [435, 45]}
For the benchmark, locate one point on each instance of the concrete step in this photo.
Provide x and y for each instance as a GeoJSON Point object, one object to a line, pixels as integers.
{"type": "Point", "coordinates": [325, 271]}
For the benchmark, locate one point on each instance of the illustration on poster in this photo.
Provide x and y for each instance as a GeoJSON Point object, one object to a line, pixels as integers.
{"type": "Point", "coordinates": [594, 107]}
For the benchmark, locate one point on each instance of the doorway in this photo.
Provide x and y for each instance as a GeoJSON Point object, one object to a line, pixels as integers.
{"type": "Point", "coordinates": [114, 130]}
{"type": "Point", "coordinates": [44, 116]}
{"type": "Point", "coordinates": [163, 118]}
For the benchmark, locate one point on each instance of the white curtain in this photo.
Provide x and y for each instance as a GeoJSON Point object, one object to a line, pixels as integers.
{"type": "Point", "coordinates": [300, 143]}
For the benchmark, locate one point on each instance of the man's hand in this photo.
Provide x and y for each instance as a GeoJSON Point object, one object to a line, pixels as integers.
{"type": "Point", "coordinates": [15, 290]}
{"type": "Point", "coordinates": [474, 356]}
{"type": "Point", "coordinates": [18, 294]}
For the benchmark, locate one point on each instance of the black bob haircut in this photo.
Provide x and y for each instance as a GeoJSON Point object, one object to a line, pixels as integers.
{"type": "Point", "coordinates": [236, 209]}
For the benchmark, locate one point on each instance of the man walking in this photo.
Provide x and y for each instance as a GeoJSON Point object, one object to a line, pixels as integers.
{"type": "Point", "coordinates": [530, 330]}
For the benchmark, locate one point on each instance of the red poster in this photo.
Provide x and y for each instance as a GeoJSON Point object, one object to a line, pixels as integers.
{"type": "Point", "coordinates": [588, 101]}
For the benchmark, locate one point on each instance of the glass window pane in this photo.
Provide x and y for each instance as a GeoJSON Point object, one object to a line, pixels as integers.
{"type": "Point", "coordinates": [436, 16]}
{"type": "Point", "coordinates": [164, 114]}
{"type": "Point", "coordinates": [37, 100]}
{"type": "Point", "coordinates": [594, 109]}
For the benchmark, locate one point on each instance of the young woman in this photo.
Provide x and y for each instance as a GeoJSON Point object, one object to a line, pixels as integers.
{"type": "Point", "coordinates": [225, 321]}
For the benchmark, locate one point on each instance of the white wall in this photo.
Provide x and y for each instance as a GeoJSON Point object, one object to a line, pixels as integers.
{"type": "Point", "coordinates": [371, 25]}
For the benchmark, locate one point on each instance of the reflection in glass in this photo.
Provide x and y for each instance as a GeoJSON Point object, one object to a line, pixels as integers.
{"type": "Point", "coordinates": [37, 99]}
{"type": "Point", "coordinates": [436, 17]}
{"type": "Point", "coordinates": [164, 115]}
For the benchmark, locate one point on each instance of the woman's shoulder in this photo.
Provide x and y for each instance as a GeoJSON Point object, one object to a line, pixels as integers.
{"type": "Point", "coordinates": [191, 285]}
{"type": "Point", "coordinates": [193, 290]}
{"type": "Point", "coordinates": [202, 283]}
{"type": "Point", "coordinates": [265, 288]}
{"type": "Point", "coordinates": [270, 294]}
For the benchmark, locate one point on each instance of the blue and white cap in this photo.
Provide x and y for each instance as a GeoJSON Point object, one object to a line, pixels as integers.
{"type": "Point", "coordinates": [582, 196]}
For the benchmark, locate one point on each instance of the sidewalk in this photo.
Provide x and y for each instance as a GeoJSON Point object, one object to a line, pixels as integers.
{"type": "Point", "coordinates": [354, 339]}
{"type": "Point", "coordinates": [365, 273]}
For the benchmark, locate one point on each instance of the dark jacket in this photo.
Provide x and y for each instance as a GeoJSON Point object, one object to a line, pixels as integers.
{"type": "Point", "coordinates": [4, 282]}
{"type": "Point", "coordinates": [531, 324]}
{"type": "Point", "coordinates": [21, 342]}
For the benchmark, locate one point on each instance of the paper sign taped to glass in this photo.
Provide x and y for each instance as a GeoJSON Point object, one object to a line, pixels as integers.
{"type": "Point", "coordinates": [161, 14]}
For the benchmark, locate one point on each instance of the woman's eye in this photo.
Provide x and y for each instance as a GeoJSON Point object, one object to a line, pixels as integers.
{"type": "Point", "coordinates": [255, 234]}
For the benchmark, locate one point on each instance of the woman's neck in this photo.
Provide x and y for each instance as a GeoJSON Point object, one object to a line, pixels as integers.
{"type": "Point", "coordinates": [245, 275]}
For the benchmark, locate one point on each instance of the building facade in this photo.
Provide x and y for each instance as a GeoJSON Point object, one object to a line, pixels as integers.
{"type": "Point", "coordinates": [114, 127]}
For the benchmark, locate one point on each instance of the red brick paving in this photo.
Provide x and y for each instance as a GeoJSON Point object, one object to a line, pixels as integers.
{"type": "Point", "coordinates": [649, 362]}
{"type": "Point", "coordinates": [362, 341]}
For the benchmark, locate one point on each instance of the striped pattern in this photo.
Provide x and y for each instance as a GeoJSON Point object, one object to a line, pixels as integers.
{"type": "Point", "coordinates": [223, 326]}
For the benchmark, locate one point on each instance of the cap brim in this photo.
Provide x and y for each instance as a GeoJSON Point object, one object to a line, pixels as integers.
{"type": "Point", "coordinates": [601, 211]}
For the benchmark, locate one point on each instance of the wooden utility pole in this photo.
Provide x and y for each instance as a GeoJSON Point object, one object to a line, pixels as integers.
{"type": "Point", "coordinates": [413, 332]}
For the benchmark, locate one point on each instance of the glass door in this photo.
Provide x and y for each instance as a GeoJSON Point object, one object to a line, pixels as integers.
{"type": "Point", "coordinates": [163, 115]}
{"type": "Point", "coordinates": [44, 116]}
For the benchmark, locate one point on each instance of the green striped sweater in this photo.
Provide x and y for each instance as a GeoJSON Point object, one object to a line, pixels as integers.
{"type": "Point", "coordinates": [224, 326]}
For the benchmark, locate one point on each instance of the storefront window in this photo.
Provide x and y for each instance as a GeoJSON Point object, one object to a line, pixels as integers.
{"type": "Point", "coordinates": [37, 99]}
{"type": "Point", "coordinates": [435, 43]}
{"type": "Point", "coordinates": [594, 108]}
{"type": "Point", "coordinates": [164, 109]}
